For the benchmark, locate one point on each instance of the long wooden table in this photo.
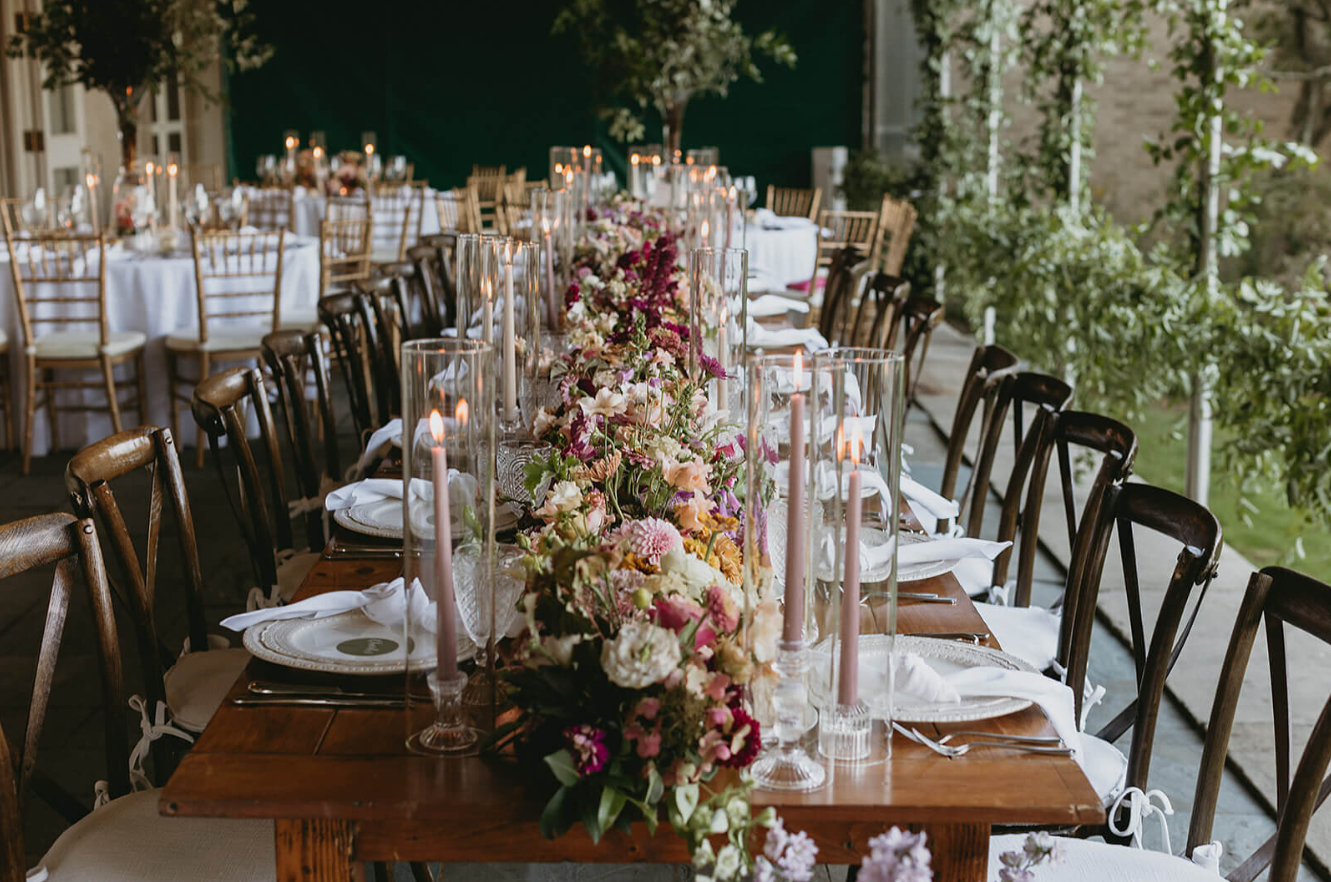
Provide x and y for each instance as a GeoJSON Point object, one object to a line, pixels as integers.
{"type": "Point", "coordinates": [342, 788]}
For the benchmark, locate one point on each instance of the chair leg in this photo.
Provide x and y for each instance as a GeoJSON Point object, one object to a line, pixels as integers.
{"type": "Point", "coordinates": [204, 370]}
{"type": "Point", "coordinates": [52, 412]}
{"type": "Point", "coordinates": [172, 383]}
{"type": "Point", "coordinates": [143, 388]}
{"type": "Point", "coordinates": [29, 411]}
{"type": "Point", "coordinates": [6, 401]}
{"type": "Point", "coordinates": [112, 399]}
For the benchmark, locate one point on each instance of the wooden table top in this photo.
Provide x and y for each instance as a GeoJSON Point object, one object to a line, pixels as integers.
{"type": "Point", "coordinates": [351, 764]}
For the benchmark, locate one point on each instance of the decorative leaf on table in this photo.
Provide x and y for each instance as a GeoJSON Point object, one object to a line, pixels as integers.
{"type": "Point", "coordinates": [554, 822]}
{"type": "Point", "coordinates": [561, 763]}
{"type": "Point", "coordinates": [612, 803]}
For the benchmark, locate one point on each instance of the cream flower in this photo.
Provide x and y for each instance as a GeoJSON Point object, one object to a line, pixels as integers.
{"type": "Point", "coordinates": [689, 512]}
{"type": "Point", "coordinates": [561, 648]}
{"type": "Point", "coordinates": [607, 403]}
{"type": "Point", "coordinates": [695, 575]}
{"type": "Point", "coordinates": [544, 422]}
{"type": "Point", "coordinates": [690, 477]}
{"type": "Point", "coordinates": [563, 496]}
{"type": "Point", "coordinates": [767, 622]}
{"type": "Point", "coordinates": [639, 655]}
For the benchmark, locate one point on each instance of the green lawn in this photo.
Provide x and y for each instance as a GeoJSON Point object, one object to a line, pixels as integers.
{"type": "Point", "coordinates": [1257, 523]}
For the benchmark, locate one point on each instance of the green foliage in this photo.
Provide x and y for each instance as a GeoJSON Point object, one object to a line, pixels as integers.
{"type": "Point", "coordinates": [660, 53]}
{"type": "Point", "coordinates": [1290, 225]}
{"type": "Point", "coordinates": [868, 175]}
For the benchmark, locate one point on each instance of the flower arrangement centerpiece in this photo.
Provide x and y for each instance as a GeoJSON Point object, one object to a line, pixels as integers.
{"type": "Point", "coordinates": [348, 174]}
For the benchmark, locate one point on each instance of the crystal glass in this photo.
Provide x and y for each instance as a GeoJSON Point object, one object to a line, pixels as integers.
{"type": "Point", "coordinates": [718, 312]}
{"type": "Point", "coordinates": [396, 169]}
{"type": "Point", "coordinates": [265, 168]}
{"type": "Point", "coordinates": [855, 448]}
{"type": "Point", "coordinates": [448, 459]}
{"type": "Point", "coordinates": [702, 156]}
{"type": "Point", "coordinates": [467, 280]}
{"type": "Point", "coordinates": [515, 279]}
{"type": "Point", "coordinates": [548, 216]}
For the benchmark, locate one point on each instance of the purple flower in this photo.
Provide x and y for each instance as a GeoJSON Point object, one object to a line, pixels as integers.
{"type": "Point", "coordinates": [1008, 874]}
{"type": "Point", "coordinates": [897, 856]}
{"type": "Point", "coordinates": [711, 366]}
{"type": "Point", "coordinates": [587, 744]}
{"type": "Point", "coordinates": [800, 857]}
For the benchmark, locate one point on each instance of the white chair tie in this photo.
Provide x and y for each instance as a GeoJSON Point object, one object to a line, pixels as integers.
{"type": "Point", "coordinates": [153, 728]}
{"type": "Point", "coordinates": [1001, 595]}
{"type": "Point", "coordinates": [257, 599]}
{"type": "Point", "coordinates": [1208, 856]}
{"type": "Point", "coordinates": [1091, 695]}
{"type": "Point", "coordinates": [1140, 808]}
{"type": "Point", "coordinates": [306, 504]}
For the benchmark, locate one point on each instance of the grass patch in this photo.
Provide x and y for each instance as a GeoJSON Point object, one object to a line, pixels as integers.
{"type": "Point", "coordinates": [1257, 522]}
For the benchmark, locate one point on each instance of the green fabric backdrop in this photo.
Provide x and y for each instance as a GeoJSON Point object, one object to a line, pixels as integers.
{"type": "Point", "coordinates": [455, 83]}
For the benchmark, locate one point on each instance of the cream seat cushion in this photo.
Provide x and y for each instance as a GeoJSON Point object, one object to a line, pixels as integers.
{"type": "Point", "coordinates": [86, 344]}
{"type": "Point", "coordinates": [1084, 860]}
{"type": "Point", "coordinates": [299, 318]}
{"type": "Point", "coordinates": [197, 683]}
{"type": "Point", "coordinates": [127, 840]}
{"type": "Point", "coordinates": [224, 339]}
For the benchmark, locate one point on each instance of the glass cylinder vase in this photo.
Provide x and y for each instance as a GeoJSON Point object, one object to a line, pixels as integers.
{"type": "Point", "coordinates": [718, 313]}
{"type": "Point", "coordinates": [448, 458]}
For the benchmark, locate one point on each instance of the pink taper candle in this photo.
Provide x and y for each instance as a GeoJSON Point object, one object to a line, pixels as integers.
{"type": "Point", "coordinates": [794, 622]}
{"type": "Point", "coordinates": [445, 630]}
{"type": "Point", "coordinates": [848, 688]}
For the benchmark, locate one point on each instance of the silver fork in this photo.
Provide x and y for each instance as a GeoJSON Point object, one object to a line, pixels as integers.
{"type": "Point", "coordinates": [951, 751]}
{"type": "Point", "coordinates": [1038, 740]}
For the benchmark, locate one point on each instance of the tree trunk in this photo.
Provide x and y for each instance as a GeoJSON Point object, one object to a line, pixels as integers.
{"type": "Point", "coordinates": [674, 125]}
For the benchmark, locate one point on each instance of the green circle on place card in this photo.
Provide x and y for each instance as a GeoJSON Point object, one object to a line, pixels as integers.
{"type": "Point", "coordinates": [364, 646]}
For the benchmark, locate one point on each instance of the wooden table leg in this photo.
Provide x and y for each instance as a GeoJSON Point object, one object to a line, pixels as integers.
{"type": "Point", "coordinates": [317, 850]}
{"type": "Point", "coordinates": [960, 852]}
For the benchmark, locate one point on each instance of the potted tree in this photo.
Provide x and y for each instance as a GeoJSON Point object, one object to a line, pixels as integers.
{"type": "Point", "coordinates": [126, 47]}
{"type": "Point", "coordinates": [662, 53]}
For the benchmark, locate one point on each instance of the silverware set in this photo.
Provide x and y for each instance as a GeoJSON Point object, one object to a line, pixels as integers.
{"type": "Point", "coordinates": [922, 597]}
{"type": "Point", "coordinates": [260, 693]}
{"type": "Point", "coordinates": [1046, 745]}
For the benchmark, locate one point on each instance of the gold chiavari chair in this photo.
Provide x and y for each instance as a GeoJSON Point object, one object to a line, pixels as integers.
{"type": "Point", "coordinates": [272, 207]}
{"type": "Point", "coordinates": [896, 222]}
{"type": "Point", "coordinates": [487, 192]}
{"type": "Point", "coordinates": [855, 229]}
{"type": "Point", "coordinates": [451, 206]}
{"type": "Point", "coordinates": [516, 207]}
{"type": "Point", "coordinates": [238, 286]}
{"type": "Point", "coordinates": [60, 280]}
{"type": "Point", "coordinates": [12, 211]}
{"type": "Point", "coordinates": [207, 173]}
{"type": "Point", "coordinates": [397, 209]}
{"type": "Point", "coordinates": [356, 206]}
{"type": "Point", "coordinates": [345, 248]}
{"type": "Point", "coordinates": [793, 202]}
{"type": "Point", "coordinates": [488, 171]}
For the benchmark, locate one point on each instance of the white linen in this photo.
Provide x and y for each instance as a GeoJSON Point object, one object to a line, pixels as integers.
{"type": "Point", "coordinates": [783, 256]}
{"type": "Point", "coordinates": [778, 338]}
{"type": "Point", "coordinates": [912, 676]}
{"type": "Point", "coordinates": [958, 548]}
{"type": "Point", "coordinates": [765, 218]}
{"type": "Point", "coordinates": [310, 207]}
{"type": "Point", "coordinates": [384, 603]}
{"type": "Point", "coordinates": [770, 305]}
{"type": "Point", "coordinates": [151, 295]}
{"type": "Point", "coordinates": [379, 489]}
{"type": "Point", "coordinates": [1084, 860]}
{"type": "Point", "coordinates": [1051, 696]}
{"type": "Point", "coordinates": [927, 506]}
{"type": "Point", "coordinates": [1028, 632]}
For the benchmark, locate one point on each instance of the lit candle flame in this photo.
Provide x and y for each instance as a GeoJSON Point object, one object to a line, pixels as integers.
{"type": "Point", "coordinates": [149, 167]}
{"type": "Point", "coordinates": [856, 443]}
{"type": "Point", "coordinates": [633, 160]}
{"type": "Point", "coordinates": [436, 427]}
{"type": "Point", "coordinates": [705, 230]}
{"type": "Point", "coordinates": [545, 225]}
{"type": "Point", "coordinates": [559, 168]}
{"type": "Point", "coordinates": [798, 370]}
{"type": "Point", "coordinates": [369, 149]}
{"type": "Point", "coordinates": [291, 142]}
{"type": "Point", "coordinates": [568, 177]}
{"type": "Point", "coordinates": [656, 160]}
{"type": "Point", "coordinates": [172, 169]}
{"type": "Point", "coordinates": [587, 150]}
{"type": "Point", "coordinates": [318, 152]}
{"type": "Point", "coordinates": [462, 412]}
{"type": "Point", "coordinates": [92, 181]}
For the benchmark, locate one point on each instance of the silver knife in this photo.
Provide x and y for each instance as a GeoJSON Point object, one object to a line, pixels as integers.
{"type": "Point", "coordinates": [310, 701]}
{"type": "Point", "coordinates": [316, 690]}
{"type": "Point", "coordinates": [924, 598]}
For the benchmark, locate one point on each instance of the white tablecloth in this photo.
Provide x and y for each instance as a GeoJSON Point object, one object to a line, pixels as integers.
{"type": "Point", "coordinates": [783, 256]}
{"type": "Point", "coordinates": [309, 207]}
{"type": "Point", "coordinates": [155, 295]}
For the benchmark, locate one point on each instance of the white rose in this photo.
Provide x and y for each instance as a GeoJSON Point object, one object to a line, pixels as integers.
{"type": "Point", "coordinates": [639, 655]}
{"type": "Point", "coordinates": [697, 575]}
{"type": "Point", "coordinates": [564, 496]}
{"type": "Point", "coordinates": [561, 648]}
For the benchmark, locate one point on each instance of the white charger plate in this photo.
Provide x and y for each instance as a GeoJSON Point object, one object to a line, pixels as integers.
{"type": "Point", "coordinates": [927, 569]}
{"type": "Point", "coordinates": [347, 643]}
{"type": "Point", "coordinates": [944, 656]}
{"type": "Point", "coordinates": [383, 519]}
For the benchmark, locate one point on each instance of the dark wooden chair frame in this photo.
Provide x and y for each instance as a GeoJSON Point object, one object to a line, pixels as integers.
{"type": "Point", "coordinates": [354, 330]}
{"type": "Point", "coordinates": [983, 383]}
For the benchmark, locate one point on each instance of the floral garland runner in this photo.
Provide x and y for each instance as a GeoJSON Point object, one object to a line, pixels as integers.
{"type": "Point", "coordinates": [631, 676]}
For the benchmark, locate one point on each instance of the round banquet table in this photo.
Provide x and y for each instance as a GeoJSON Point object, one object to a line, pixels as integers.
{"type": "Point", "coordinates": [783, 256]}
{"type": "Point", "coordinates": [309, 207]}
{"type": "Point", "coordinates": [153, 294]}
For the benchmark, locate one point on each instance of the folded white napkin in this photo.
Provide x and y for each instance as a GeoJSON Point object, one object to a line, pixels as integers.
{"type": "Point", "coordinates": [958, 548]}
{"type": "Point", "coordinates": [916, 681]}
{"type": "Point", "coordinates": [1052, 697]}
{"type": "Point", "coordinates": [463, 490]}
{"type": "Point", "coordinates": [384, 603]}
{"type": "Point", "coordinates": [777, 338]}
{"type": "Point", "coordinates": [927, 506]}
{"type": "Point", "coordinates": [770, 305]}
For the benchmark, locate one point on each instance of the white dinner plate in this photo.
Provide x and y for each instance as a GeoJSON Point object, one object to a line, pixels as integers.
{"type": "Point", "coordinates": [927, 569]}
{"type": "Point", "coordinates": [347, 643]}
{"type": "Point", "coordinates": [383, 519]}
{"type": "Point", "coordinates": [944, 656]}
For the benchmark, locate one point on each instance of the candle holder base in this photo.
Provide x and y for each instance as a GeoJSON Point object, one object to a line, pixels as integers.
{"type": "Point", "coordinates": [511, 425]}
{"type": "Point", "coordinates": [483, 690]}
{"type": "Point", "coordinates": [789, 770]}
{"type": "Point", "coordinates": [448, 735]}
{"type": "Point", "coordinates": [843, 732]}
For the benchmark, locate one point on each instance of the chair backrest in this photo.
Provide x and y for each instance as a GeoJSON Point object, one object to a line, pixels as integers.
{"type": "Point", "coordinates": [794, 201]}
{"type": "Point", "coordinates": [1042, 393]}
{"type": "Point", "coordinates": [515, 209]}
{"type": "Point", "coordinates": [1060, 431]}
{"type": "Point", "coordinates": [388, 305]}
{"type": "Point", "coordinates": [238, 278]}
{"type": "Point", "coordinates": [1197, 530]}
{"type": "Point", "coordinates": [896, 221]}
{"type": "Point", "coordinates": [59, 280]}
{"type": "Point", "coordinates": [837, 295]}
{"type": "Point", "coordinates": [446, 247]}
{"type": "Point", "coordinates": [292, 357]}
{"type": "Point", "coordinates": [451, 207]}
{"type": "Point", "coordinates": [16, 217]}
{"type": "Point", "coordinates": [488, 171]}
{"type": "Point", "coordinates": [486, 194]}
{"type": "Point", "coordinates": [397, 210]}
{"type": "Point", "coordinates": [880, 304]}
{"type": "Point", "coordinates": [207, 173]}
{"type": "Point", "coordinates": [354, 206]}
{"type": "Point", "coordinates": [915, 325]}
{"type": "Point", "coordinates": [354, 329]}
{"type": "Point", "coordinates": [989, 364]}
{"type": "Point", "coordinates": [71, 545]}
{"type": "Point", "coordinates": [425, 287]}
{"type": "Point", "coordinates": [89, 477]}
{"type": "Point", "coordinates": [345, 247]}
{"type": "Point", "coordinates": [1277, 598]}
{"type": "Point", "coordinates": [271, 207]}
{"type": "Point", "coordinates": [853, 229]}
{"type": "Point", "coordinates": [219, 406]}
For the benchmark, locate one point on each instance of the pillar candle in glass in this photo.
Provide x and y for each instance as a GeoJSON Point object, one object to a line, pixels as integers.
{"type": "Point", "coordinates": [448, 457]}
{"type": "Point", "coordinates": [173, 194]}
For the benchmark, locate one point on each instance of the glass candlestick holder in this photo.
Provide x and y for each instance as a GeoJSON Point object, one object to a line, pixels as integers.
{"type": "Point", "coordinates": [787, 766]}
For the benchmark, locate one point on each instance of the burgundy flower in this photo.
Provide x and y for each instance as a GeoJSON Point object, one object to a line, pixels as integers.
{"type": "Point", "coordinates": [711, 366]}
{"type": "Point", "coordinates": [744, 746]}
{"type": "Point", "coordinates": [587, 744]}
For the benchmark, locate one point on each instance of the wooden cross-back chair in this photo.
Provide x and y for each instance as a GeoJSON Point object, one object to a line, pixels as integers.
{"type": "Point", "coordinates": [60, 282]}
{"type": "Point", "coordinates": [426, 290]}
{"type": "Point", "coordinates": [344, 253]}
{"type": "Point", "coordinates": [353, 328]}
{"type": "Point", "coordinates": [979, 391]}
{"type": "Point", "coordinates": [837, 295]}
{"type": "Point", "coordinates": [388, 302]}
{"type": "Point", "coordinates": [913, 331]}
{"type": "Point", "coordinates": [292, 358]}
{"type": "Point", "coordinates": [194, 685]}
{"type": "Point", "coordinates": [880, 304]}
{"type": "Point", "coordinates": [70, 545]}
{"type": "Point", "coordinates": [849, 229]}
{"type": "Point", "coordinates": [238, 289]}
{"type": "Point", "coordinates": [794, 201]}
{"type": "Point", "coordinates": [896, 221]}
{"type": "Point", "coordinates": [398, 209]}
{"type": "Point", "coordinates": [452, 208]}
{"type": "Point", "coordinates": [271, 207]}
{"type": "Point", "coordinates": [446, 293]}
{"type": "Point", "coordinates": [128, 839]}
{"type": "Point", "coordinates": [1198, 532]}
{"type": "Point", "coordinates": [488, 171]}
{"type": "Point", "coordinates": [220, 405]}
{"type": "Point", "coordinates": [515, 207]}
